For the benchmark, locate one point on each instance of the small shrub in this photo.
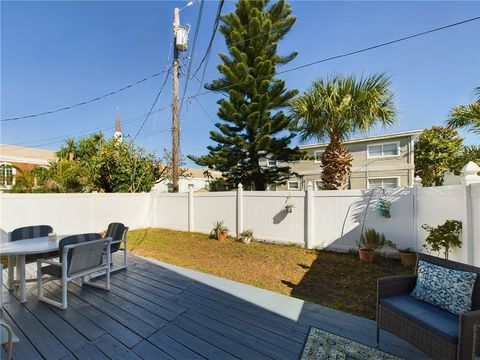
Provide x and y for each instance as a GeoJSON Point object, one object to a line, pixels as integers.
{"type": "Point", "coordinates": [445, 236]}
{"type": "Point", "coordinates": [371, 240]}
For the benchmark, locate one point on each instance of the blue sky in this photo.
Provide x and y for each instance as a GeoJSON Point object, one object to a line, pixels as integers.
{"type": "Point", "coordinates": [59, 53]}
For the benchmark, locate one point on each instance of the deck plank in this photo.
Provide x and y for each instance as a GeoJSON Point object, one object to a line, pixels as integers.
{"type": "Point", "coordinates": [24, 349]}
{"type": "Point", "coordinates": [147, 350]}
{"type": "Point", "coordinates": [89, 352]}
{"type": "Point", "coordinates": [62, 330]}
{"type": "Point", "coordinates": [148, 313]}
{"type": "Point", "coordinates": [173, 347]}
{"type": "Point", "coordinates": [114, 349]}
{"type": "Point", "coordinates": [99, 318]}
{"type": "Point", "coordinates": [38, 334]}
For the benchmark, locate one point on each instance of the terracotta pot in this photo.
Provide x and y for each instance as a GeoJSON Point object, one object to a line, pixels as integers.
{"type": "Point", "coordinates": [366, 255]}
{"type": "Point", "coordinates": [222, 235]}
{"type": "Point", "coordinates": [408, 258]}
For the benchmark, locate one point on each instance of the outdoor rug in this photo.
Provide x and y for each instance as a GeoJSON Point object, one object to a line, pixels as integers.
{"type": "Point", "coordinates": [322, 345]}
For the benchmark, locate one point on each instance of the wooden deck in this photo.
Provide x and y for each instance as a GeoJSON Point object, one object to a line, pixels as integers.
{"type": "Point", "coordinates": [159, 311]}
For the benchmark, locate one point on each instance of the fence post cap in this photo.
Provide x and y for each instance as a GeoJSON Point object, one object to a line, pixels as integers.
{"type": "Point", "coordinates": [240, 186]}
{"type": "Point", "coordinates": [470, 168]}
{"type": "Point", "coordinates": [469, 173]}
{"type": "Point", "coordinates": [417, 181]}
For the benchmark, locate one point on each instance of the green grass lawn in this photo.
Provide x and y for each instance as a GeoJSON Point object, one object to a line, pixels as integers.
{"type": "Point", "coordinates": [336, 280]}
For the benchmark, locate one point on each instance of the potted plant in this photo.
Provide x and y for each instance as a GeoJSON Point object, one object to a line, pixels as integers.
{"type": "Point", "coordinates": [246, 236]}
{"type": "Point", "coordinates": [369, 241]}
{"type": "Point", "coordinates": [219, 231]}
{"type": "Point", "coordinates": [443, 237]}
{"type": "Point", "coordinates": [408, 257]}
{"type": "Point", "coordinates": [289, 206]}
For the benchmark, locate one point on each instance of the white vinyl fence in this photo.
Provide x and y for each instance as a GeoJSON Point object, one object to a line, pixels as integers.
{"type": "Point", "coordinates": [320, 219]}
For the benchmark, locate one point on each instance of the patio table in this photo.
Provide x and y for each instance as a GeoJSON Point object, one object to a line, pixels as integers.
{"type": "Point", "coordinates": [20, 249]}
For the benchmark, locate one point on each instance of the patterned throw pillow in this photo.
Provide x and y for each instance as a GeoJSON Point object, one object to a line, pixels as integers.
{"type": "Point", "coordinates": [445, 288]}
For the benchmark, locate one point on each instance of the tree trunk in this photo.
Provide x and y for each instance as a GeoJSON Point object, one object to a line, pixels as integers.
{"type": "Point", "coordinates": [337, 164]}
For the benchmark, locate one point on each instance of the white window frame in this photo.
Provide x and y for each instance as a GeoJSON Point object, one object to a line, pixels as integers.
{"type": "Point", "coordinates": [293, 181]}
{"type": "Point", "coordinates": [316, 186]}
{"type": "Point", "coordinates": [382, 178]}
{"type": "Point", "coordinates": [382, 145]}
{"type": "Point", "coordinates": [3, 167]}
{"type": "Point", "coordinates": [317, 154]}
{"type": "Point", "coordinates": [268, 163]}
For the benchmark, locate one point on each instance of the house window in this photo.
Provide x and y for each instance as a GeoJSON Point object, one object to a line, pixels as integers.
{"type": "Point", "coordinates": [383, 150]}
{"type": "Point", "coordinates": [191, 186]}
{"type": "Point", "coordinates": [7, 175]}
{"type": "Point", "coordinates": [385, 183]}
{"type": "Point", "coordinates": [318, 185]}
{"type": "Point", "coordinates": [271, 163]}
{"type": "Point", "coordinates": [293, 185]}
{"type": "Point", "coordinates": [170, 187]}
{"type": "Point", "coordinates": [318, 156]}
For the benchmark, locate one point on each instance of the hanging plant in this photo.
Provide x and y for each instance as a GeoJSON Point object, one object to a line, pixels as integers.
{"type": "Point", "coordinates": [383, 207]}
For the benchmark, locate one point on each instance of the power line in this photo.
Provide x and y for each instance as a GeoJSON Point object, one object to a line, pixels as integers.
{"type": "Point", "coordinates": [348, 53]}
{"type": "Point", "coordinates": [85, 132]}
{"type": "Point", "coordinates": [212, 37]}
{"type": "Point", "coordinates": [154, 103]}
{"type": "Point", "coordinates": [192, 50]}
{"type": "Point", "coordinates": [86, 101]}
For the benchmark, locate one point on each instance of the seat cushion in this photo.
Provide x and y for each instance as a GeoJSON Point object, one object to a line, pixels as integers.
{"type": "Point", "coordinates": [446, 288]}
{"type": "Point", "coordinates": [55, 271]}
{"type": "Point", "coordinates": [439, 321]}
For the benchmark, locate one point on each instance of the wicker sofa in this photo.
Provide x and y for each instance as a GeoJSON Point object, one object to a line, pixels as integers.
{"type": "Point", "coordinates": [437, 332]}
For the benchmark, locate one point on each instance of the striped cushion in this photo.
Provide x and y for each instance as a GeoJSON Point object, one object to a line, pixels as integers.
{"type": "Point", "coordinates": [29, 232]}
{"type": "Point", "coordinates": [115, 231]}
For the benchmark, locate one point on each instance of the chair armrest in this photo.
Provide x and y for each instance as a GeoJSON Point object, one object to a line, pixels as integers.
{"type": "Point", "coordinates": [465, 337]}
{"type": "Point", "coordinates": [395, 285]}
{"type": "Point", "coordinates": [48, 261]}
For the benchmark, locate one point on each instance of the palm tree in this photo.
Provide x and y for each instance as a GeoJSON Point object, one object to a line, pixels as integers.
{"type": "Point", "coordinates": [337, 108]}
{"type": "Point", "coordinates": [69, 151]}
{"type": "Point", "coordinates": [466, 116]}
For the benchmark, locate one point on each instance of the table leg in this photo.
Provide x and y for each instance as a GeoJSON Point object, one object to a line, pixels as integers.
{"type": "Point", "coordinates": [11, 270]}
{"type": "Point", "coordinates": [21, 270]}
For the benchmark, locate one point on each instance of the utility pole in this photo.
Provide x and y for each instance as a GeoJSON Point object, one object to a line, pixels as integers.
{"type": "Point", "coordinates": [175, 113]}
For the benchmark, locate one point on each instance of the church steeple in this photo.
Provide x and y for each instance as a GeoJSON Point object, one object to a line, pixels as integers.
{"type": "Point", "coordinates": [118, 130]}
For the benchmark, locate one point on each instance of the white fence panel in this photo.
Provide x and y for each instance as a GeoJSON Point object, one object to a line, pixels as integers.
{"type": "Point", "coordinates": [73, 213]}
{"type": "Point", "coordinates": [171, 211]}
{"type": "Point", "coordinates": [339, 216]}
{"type": "Point", "coordinates": [265, 214]}
{"type": "Point", "coordinates": [209, 208]}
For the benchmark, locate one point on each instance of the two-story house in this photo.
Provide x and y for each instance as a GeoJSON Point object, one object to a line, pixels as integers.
{"type": "Point", "coordinates": [377, 161]}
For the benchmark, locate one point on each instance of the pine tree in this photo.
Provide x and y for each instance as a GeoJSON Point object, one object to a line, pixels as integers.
{"type": "Point", "coordinates": [254, 126]}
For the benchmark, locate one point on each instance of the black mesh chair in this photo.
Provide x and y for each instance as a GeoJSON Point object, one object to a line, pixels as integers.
{"type": "Point", "coordinates": [80, 256]}
{"type": "Point", "coordinates": [118, 233]}
{"type": "Point", "coordinates": [24, 233]}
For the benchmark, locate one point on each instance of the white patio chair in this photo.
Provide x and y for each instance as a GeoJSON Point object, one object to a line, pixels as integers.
{"type": "Point", "coordinates": [118, 233]}
{"type": "Point", "coordinates": [80, 256]}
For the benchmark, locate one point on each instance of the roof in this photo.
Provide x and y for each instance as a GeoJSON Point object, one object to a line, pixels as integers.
{"type": "Point", "coordinates": [23, 154]}
{"type": "Point", "coordinates": [198, 173]}
{"type": "Point", "coordinates": [369, 138]}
